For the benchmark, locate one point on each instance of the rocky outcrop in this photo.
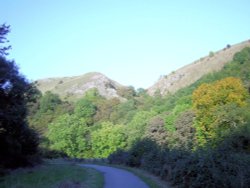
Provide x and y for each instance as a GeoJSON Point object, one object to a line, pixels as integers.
{"type": "Point", "coordinates": [75, 87]}
{"type": "Point", "coordinates": [189, 74]}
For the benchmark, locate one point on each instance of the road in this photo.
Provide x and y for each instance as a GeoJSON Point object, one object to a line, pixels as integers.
{"type": "Point", "coordinates": [118, 178]}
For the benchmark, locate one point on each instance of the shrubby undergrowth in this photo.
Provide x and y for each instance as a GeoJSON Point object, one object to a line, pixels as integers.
{"type": "Point", "coordinates": [197, 137]}
{"type": "Point", "coordinates": [207, 145]}
{"type": "Point", "coordinates": [218, 167]}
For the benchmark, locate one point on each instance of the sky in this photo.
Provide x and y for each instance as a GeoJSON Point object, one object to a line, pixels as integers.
{"type": "Point", "coordinates": [133, 42]}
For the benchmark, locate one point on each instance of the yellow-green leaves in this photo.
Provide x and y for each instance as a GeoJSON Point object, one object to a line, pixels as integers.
{"type": "Point", "coordinates": [108, 139]}
{"type": "Point", "coordinates": [208, 98]}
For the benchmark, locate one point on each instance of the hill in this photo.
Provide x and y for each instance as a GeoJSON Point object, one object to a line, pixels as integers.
{"type": "Point", "coordinates": [188, 74]}
{"type": "Point", "coordinates": [172, 136]}
{"type": "Point", "coordinates": [71, 88]}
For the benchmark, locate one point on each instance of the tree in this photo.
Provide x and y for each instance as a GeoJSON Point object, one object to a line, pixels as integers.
{"type": "Point", "coordinates": [49, 102]}
{"type": "Point", "coordinates": [85, 109]}
{"type": "Point", "coordinates": [137, 127]}
{"type": "Point", "coordinates": [108, 139]}
{"type": "Point", "coordinates": [13, 126]}
{"type": "Point", "coordinates": [68, 134]}
{"type": "Point", "coordinates": [183, 137]}
{"type": "Point", "coordinates": [105, 108]}
{"type": "Point", "coordinates": [156, 131]}
{"type": "Point", "coordinates": [126, 92]}
{"type": "Point", "coordinates": [45, 110]}
{"type": "Point", "coordinates": [207, 99]}
{"type": "Point", "coordinates": [123, 112]}
{"type": "Point", "coordinates": [4, 30]}
{"type": "Point", "coordinates": [17, 140]}
{"type": "Point", "coordinates": [182, 105]}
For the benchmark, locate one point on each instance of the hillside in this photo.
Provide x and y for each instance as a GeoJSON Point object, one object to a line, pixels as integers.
{"type": "Point", "coordinates": [188, 74]}
{"type": "Point", "coordinates": [74, 87]}
{"type": "Point", "coordinates": [201, 125]}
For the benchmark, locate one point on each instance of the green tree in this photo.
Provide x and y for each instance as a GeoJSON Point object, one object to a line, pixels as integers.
{"type": "Point", "coordinates": [137, 127]}
{"type": "Point", "coordinates": [123, 112]}
{"type": "Point", "coordinates": [85, 108]}
{"type": "Point", "coordinates": [49, 102]}
{"type": "Point", "coordinates": [182, 105]}
{"type": "Point", "coordinates": [68, 134]}
{"type": "Point", "coordinates": [45, 110]}
{"type": "Point", "coordinates": [108, 139]}
{"type": "Point", "coordinates": [105, 108]}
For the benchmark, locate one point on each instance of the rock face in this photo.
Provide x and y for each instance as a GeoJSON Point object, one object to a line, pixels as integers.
{"type": "Point", "coordinates": [187, 75]}
{"type": "Point", "coordinates": [75, 87]}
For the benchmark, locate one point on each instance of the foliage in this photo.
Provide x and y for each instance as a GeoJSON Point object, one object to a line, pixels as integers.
{"type": "Point", "coordinates": [156, 131]}
{"type": "Point", "coordinates": [183, 137]}
{"type": "Point", "coordinates": [17, 141]}
{"type": "Point", "coordinates": [137, 126]}
{"type": "Point", "coordinates": [105, 108]}
{"type": "Point", "coordinates": [84, 108]}
{"type": "Point", "coordinates": [220, 104]}
{"type": "Point", "coordinates": [161, 134]}
{"type": "Point", "coordinates": [4, 30]}
{"type": "Point", "coordinates": [123, 112]}
{"type": "Point", "coordinates": [108, 139]}
{"type": "Point", "coordinates": [137, 151]}
{"type": "Point", "coordinates": [211, 54]}
{"type": "Point", "coordinates": [203, 168]}
{"type": "Point", "coordinates": [182, 104]}
{"type": "Point", "coordinates": [210, 169]}
{"type": "Point", "coordinates": [126, 92]}
{"type": "Point", "coordinates": [49, 102]}
{"type": "Point", "coordinates": [118, 157]}
{"type": "Point", "coordinates": [72, 137]}
{"type": "Point", "coordinates": [207, 99]}
{"type": "Point", "coordinates": [243, 56]}
{"type": "Point", "coordinates": [45, 109]}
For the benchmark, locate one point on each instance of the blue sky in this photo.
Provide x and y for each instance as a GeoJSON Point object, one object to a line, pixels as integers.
{"type": "Point", "coordinates": [131, 41]}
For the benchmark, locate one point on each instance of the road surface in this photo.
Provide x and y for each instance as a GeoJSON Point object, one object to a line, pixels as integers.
{"type": "Point", "coordinates": [118, 178]}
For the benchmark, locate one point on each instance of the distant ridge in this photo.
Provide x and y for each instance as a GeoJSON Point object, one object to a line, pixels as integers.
{"type": "Point", "coordinates": [74, 87]}
{"type": "Point", "coordinates": [188, 74]}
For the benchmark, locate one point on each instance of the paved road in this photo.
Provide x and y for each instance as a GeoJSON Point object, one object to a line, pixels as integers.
{"type": "Point", "coordinates": [118, 178]}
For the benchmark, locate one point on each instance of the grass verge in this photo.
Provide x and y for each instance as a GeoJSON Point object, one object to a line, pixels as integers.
{"type": "Point", "coordinates": [53, 176]}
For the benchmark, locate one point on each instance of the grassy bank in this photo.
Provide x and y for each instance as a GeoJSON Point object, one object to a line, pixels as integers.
{"type": "Point", "coordinates": [53, 176]}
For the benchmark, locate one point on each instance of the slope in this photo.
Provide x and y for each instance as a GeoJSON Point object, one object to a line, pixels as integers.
{"type": "Point", "coordinates": [71, 88]}
{"type": "Point", "coordinates": [188, 74]}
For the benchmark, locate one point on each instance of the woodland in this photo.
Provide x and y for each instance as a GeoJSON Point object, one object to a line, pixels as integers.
{"type": "Point", "coordinates": [196, 137]}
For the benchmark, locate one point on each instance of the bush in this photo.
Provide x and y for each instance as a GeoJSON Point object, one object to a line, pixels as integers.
{"type": "Point", "coordinates": [152, 161]}
{"type": "Point", "coordinates": [183, 137]}
{"type": "Point", "coordinates": [211, 169]}
{"type": "Point", "coordinates": [211, 54]}
{"type": "Point", "coordinates": [219, 167]}
{"type": "Point", "coordinates": [51, 154]}
{"type": "Point", "coordinates": [118, 157]}
{"type": "Point", "coordinates": [135, 154]}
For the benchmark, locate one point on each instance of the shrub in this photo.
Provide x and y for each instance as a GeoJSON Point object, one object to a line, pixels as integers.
{"type": "Point", "coordinates": [138, 150]}
{"type": "Point", "coordinates": [156, 131]}
{"type": "Point", "coordinates": [183, 137]}
{"type": "Point", "coordinates": [152, 161]}
{"type": "Point", "coordinates": [211, 54]}
{"type": "Point", "coordinates": [118, 157]}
